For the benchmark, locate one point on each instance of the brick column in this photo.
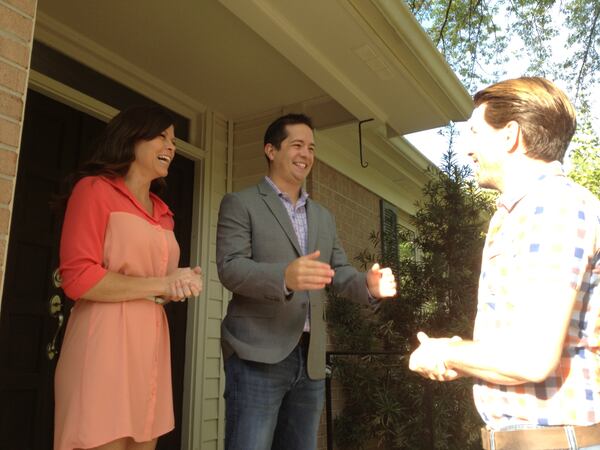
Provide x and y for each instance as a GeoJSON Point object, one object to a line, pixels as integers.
{"type": "Point", "coordinates": [17, 19]}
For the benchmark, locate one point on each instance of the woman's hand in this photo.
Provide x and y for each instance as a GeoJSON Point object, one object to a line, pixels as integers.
{"type": "Point", "coordinates": [183, 282]}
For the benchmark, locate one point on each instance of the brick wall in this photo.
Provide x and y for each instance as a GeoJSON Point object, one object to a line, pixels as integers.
{"type": "Point", "coordinates": [17, 18]}
{"type": "Point", "coordinates": [356, 211]}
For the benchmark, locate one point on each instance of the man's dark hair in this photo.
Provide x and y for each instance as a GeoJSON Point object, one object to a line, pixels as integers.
{"type": "Point", "coordinates": [277, 132]}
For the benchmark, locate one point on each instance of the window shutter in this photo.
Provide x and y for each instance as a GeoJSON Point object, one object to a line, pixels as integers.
{"type": "Point", "coordinates": [389, 233]}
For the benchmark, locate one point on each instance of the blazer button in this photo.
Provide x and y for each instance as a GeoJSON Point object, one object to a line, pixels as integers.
{"type": "Point", "coordinates": [303, 305]}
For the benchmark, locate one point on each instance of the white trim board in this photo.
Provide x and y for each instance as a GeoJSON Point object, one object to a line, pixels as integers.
{"type": "Point", "coordinates": [95, 108]}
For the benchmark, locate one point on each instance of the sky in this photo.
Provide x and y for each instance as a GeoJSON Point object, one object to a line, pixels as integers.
{"type": "Point", "coordinates": [433, 145]}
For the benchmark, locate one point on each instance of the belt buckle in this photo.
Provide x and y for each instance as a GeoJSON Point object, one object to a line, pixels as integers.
{"type": "Point", "coordinates": [487, 437]}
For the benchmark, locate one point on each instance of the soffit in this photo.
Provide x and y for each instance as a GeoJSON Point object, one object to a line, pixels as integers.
{"type": "Point", "coordinates": [244, 57]}
{"type": "Point", "coordinates": [396, 159]}
{"type": "Point", "coordinates": [198, 47]}
{"type": "Point", "coordinates": [370, 55]}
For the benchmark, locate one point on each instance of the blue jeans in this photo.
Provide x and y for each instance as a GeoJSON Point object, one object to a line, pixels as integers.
{"type": "Point", "coordinates": [272, 406]}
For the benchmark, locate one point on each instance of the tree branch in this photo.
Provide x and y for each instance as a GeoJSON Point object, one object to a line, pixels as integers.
{"type": "Point", "coordinates": [586, 52]}
{"type": "Point", "coordinates": [441, 33]}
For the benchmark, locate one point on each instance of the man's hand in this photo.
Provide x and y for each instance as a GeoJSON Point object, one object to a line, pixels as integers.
{"type": "Point", "coordinates": [428, 359]}
{"type": "Point", "coordinates": [381, 282]}
{"type": "Point", "coordinates": [307, 273]}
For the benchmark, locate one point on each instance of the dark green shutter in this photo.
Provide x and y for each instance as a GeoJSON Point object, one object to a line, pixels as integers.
{"type": "Point", "coordinates": [389, 233]}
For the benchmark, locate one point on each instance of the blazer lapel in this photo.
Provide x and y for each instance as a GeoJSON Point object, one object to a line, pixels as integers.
{"type": "Point", "coordinates": [274, 204]}
{"type": "Point", "coordinates": [311, 218]}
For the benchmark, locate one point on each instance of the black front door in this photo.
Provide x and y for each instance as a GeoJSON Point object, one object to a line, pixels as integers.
{"type": "Point", "coordinates": [34, 311]}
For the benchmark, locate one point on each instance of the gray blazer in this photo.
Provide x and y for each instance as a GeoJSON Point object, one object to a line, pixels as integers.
{"type": "Point", "coordinates": [255, 243]}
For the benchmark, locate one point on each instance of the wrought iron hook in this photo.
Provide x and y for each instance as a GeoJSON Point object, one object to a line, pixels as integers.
{"type": "Point", "coordinates": [363, 164]}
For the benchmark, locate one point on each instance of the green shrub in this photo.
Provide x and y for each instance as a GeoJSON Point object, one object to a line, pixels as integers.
{"type": "Point", "coordinates": [386, 404]}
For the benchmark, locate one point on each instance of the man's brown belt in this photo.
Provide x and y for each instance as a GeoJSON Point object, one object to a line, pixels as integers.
{"type": "Point", "coordinates": [555, 438]}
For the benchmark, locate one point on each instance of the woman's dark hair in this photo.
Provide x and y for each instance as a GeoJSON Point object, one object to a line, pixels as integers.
{"type": "Point", "coordinates": [113, 151]}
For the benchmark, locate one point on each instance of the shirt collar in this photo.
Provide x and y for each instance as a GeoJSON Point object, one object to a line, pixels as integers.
{"type": "Point", "coordinates": [301, 200]}
{"type": "Point", "coordinates": [510, 198]}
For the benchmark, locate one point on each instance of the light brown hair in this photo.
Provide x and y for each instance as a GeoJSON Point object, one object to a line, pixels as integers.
{"type": "Point", "coordinates": [542, 110]}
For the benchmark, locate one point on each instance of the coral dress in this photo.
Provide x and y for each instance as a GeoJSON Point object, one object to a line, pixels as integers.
{"type": "Point", "coordinates": [113, 377]}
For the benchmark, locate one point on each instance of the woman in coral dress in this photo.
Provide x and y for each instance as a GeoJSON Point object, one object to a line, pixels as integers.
{"type": "Point", "coordinates": [118, 261]}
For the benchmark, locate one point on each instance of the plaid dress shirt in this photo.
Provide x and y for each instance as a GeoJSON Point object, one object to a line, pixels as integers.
{"type": "Point", "coordinates": [297, 215]}
{"type": "Point", "coordinates": [542, 247]}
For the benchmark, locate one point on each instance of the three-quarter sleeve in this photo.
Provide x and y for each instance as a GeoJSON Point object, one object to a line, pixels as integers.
{"type": "Point", "coordinates": [82, 239]}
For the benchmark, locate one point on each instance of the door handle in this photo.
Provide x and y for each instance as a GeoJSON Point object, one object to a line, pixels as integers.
{"type": "Point", "coordinates": [55, 305]}
{"type": "Point", "coordinates": [56, 279]}
{"type": "Point", "coordinates": [55, 309]}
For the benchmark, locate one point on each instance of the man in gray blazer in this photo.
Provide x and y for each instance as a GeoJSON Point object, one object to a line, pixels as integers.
{"type": "Point", "coordinates": [276, 251]}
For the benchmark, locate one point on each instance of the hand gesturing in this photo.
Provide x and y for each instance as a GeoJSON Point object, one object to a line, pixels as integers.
{"type": "Point", "coordinates": [381, 282]}
{"type": "Point", "coordinates": [307, 273]}
{"type": "Point", "coordinates": [428, 359]}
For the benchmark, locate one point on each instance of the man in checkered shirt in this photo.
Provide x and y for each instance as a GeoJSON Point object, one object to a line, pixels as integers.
{"type": "Point", "coordinates": [535, 351]}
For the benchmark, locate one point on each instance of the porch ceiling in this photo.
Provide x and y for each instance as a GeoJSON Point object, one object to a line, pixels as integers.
{"type": "Point", "coordinates": [198, 47]}
{"type": "Point", "coordinates": [370, 55]}
{"type": "Point", "coordinates": [246, 57]}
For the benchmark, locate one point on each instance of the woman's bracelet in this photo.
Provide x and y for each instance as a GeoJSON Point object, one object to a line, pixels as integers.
{"type": "Point", "coordinates": [156, 299]}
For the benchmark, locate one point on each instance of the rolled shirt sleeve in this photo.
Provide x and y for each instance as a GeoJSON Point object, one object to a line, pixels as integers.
{"type": "Point", "coordinates": [82, 239]}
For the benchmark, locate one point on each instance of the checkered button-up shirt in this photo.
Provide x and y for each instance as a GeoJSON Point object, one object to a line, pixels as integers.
{"type": "Point", "coordinates": [297, 215]}
{"type": "Point", "coordinates": [296, 212]}
{"type": "Point", "coordinates": [544, 239]}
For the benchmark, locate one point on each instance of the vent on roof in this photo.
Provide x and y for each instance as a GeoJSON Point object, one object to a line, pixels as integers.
{"type": "Point", "coordinates": [375, 62]}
